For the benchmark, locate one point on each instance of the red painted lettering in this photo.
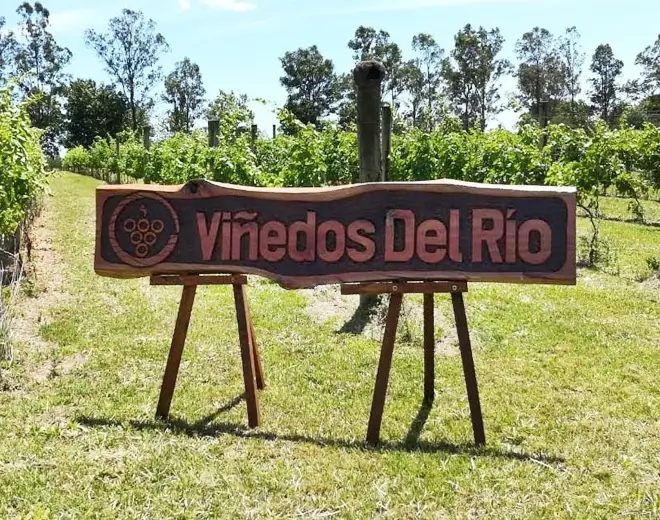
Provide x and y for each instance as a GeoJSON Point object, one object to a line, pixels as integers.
{"type": "Point", "coordinates": [545, 250]}
{"type": "Point", "coordinates": [489, 236]}
{"type": "Point", "coordinates": [367, 243]}
{"type": "Point", "coordinates": [408, 251]}
{"type": "Point", "coordinates": [325, 254]}
{"type": "Point", "coordinates": [305, 229]}
{"type": "Point", "coordinates": [207, 237]}
{"type": "Point", "coordinates": [431, 241]}
{"type": "Point", "coordinates": [272, 234]}
{"type": "Point", "coordinates": [455, 254]}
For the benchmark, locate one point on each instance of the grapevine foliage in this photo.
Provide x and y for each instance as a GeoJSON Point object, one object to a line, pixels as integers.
{"type": "Point", "coordinates": [626, 159]}
{"type": "Point", "coordinates": [22, 165]}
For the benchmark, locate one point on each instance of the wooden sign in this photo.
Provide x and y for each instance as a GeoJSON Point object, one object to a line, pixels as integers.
{"type": "Point", "coordinates": [301, 237]}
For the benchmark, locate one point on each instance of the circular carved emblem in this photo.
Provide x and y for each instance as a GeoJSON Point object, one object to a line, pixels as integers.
{"type": "Point", "coordinates": [144, 229]}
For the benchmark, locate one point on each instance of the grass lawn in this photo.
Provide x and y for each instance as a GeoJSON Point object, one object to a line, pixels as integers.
{"type": "Point", "coordinates": [618, 208]}
{"type": "Point", "coordinates": [568, 378]}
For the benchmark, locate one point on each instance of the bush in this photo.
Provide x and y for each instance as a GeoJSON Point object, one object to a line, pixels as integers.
{"type": "Point", "coordinates": [22, 164]}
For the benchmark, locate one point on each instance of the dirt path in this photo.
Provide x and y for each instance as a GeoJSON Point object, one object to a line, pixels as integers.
{"type": "Point", "coordinates": [43, 290]}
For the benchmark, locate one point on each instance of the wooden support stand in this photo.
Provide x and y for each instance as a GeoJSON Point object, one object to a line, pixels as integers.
{"type": "Point", "coordinates": [252, 370]}
{"type": "Point", "coordinates": [428, 289]}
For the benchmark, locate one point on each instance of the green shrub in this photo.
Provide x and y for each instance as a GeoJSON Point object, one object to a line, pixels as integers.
{"type": "Point", "coordinates": [22, 164]}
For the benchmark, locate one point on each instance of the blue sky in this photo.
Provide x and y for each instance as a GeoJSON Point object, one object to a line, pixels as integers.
{"type": "Point", "coordinates": [238, 43]}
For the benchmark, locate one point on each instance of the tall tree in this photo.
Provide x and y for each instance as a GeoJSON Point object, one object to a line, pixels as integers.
{"type": "Point", "coordinates": [430, 63]}
{"type": "Point", "coordinates": [40, 64]}
{"type": "Point", "coordinates": [606, 69]}
{"type": "Point", "coordinates": [130, 49]}
{"type": "Point", "coordinates": [369, 44]}
{"type": "Point", "coordinates": [649, 60]}
{"type": "Point", "coordinates": [310, 82]}
{"type": "Point", "coordinates": [8, 47]}
{"type": "Point", "coordinates": [412, 81]}
{"type": "Point", "coordinates": [541, 74]}
{"type": "Point", "coordinates": [347, 94]}
{"type": "Point", "coordinates": [472, 77]}
{"type": "Point", "coordinates": [185, 91]}
{"type": "Point", "coordinates": [232, 111]}
{"type": "Point", "coordinates": [92, 110]}
{"type": "Point", "coordinates": [573, 60]}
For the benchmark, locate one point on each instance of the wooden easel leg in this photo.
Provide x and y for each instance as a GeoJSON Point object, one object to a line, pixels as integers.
{"type": "Point", "coordinates": [247, 356]}
{"type": "Point", "coordinates": [468, 368]}
{"type": "Point", "coordinates": [176, 350]}
{"type": "Point", "coordinates": [384, 365]}
{"type": "Point", "coordinates": [259, 374]}
{"type": "Point", "coordinates": [429, 349]}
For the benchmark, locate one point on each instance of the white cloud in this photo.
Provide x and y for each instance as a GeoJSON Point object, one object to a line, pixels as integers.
{"type": "Point", "coordinates": [236, 6]}
{"type": "Point", "coordinates": [184, 4]}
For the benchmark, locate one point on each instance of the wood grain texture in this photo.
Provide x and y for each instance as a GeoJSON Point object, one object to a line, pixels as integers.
{"type": "Point", "coordinates": [239, 215]}
{"type": "Point", "coordinates": [176, 351]}
{"type": "Point", "coordinates": [429, 348]}
{"type": "Point", "coordinates": [468, 369]}
{"type": "Point", "coordinates": [384, 366]}
{"type": "Point", "coordinates": [196, 279]}
{"type": "Point", "coordinates": [247, 358]}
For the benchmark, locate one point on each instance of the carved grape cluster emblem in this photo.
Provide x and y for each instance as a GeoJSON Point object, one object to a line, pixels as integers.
{"type": "Point", "coordinates": [144, 232]}
{"type": "Point", "coordinates": [144, 229]}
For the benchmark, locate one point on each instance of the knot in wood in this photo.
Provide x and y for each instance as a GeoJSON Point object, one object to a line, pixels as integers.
{"type": "Point", "coordinates": [369, 74]}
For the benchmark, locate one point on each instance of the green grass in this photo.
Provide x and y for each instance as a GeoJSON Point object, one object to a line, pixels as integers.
{"type": "Point", "coordinates": [618, 208]}
{"type": "Point", "coordinates": [568, 378]}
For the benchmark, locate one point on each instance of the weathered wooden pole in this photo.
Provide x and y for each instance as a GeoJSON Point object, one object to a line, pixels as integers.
{"type": "Point", "coordinates": [274, 131]}
{"type": "Point", "coordinates": [387, 142]}
{"type": "Point", "coordinates": [146, 136]}
{"type": "Point", "coordinates": [213, 129]}
{"type": "Point", "coordinates": [146, 140]}
{"type": "Point", "coordinates": [543, 122]}
{"type": "Point", "coordinates": [368, 76]}
{"type": "Point", "coordinates": [117, 160]}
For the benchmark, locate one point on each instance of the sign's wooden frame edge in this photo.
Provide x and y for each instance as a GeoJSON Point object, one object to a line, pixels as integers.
{"type": "Point", "coordinates": [202, 188]}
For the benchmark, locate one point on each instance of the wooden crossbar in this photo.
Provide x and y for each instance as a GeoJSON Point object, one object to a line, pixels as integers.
{"type": "Point", "coordinates": [412, 287]}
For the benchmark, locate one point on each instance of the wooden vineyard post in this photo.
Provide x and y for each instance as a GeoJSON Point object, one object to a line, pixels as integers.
{"type": "Point", "coordinates": [428, 289]}
{"type": "Point", "coordinates": [252, 370]}
{"type": "Point", "coordinates": [387, 142]}
{"type": "Point", "coordinates": [146, 141]}
{"type": "Point", "coordinates": [117, 160]}
{"type": "Point", "coordinates": [213, 129]}
{"type": "Point", "coordinates": [146, 137]}
{"type": "Point", "coordinates": [368, 76]}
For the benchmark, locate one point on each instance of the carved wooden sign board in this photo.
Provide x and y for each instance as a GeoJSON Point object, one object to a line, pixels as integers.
{"type": "Point", "coordinates": [302, 237]}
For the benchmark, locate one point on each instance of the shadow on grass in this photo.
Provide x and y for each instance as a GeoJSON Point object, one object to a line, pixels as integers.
{"type": "Point", "coordinates": [205, 427]}
{"type": "Point", "coordinates": [418, 423]}
{"type": "Point", "coordinates": [362, 316]}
